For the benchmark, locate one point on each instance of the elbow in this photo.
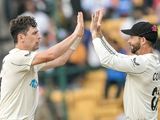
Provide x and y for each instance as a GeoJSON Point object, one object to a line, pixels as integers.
{"type": "Point", "coordinates": [104, 62]}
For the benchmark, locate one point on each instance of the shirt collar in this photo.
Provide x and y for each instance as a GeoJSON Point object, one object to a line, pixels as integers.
{"type": "Point", "coordinates": [14, 50]}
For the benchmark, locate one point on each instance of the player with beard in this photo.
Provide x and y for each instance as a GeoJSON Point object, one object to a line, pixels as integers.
{"type": "Point", "coordinates": [142, 85]}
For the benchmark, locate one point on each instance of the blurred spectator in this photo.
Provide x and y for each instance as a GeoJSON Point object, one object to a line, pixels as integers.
{"type": "Point", "coordinates": [67, 9]}
{"type": "Point", "coordinates": [157, 8]}
{"type": "Point", "coordinates": [155, 3]}
{"type": "Point", "coordinates": [11, 8]}
{"type": "Point", "coordinates": [93, 60]}
{"type": "Point", "coordinates": [47, 74]}
{"type": "Point", "coordinates": [43, 112]}
{"type": "Point", "coordinates": [136, 16]}
{"type": "Point", "coordinates": [124, 8]}
{"type": "Point", "coordinates": [76, 66]}
{"type": "Point", "coordinates": [40, 17]}
{"type": "Point", "coordinates": [79, 56]}
{"type": "Point", "coordinates": [76, 6]}
{"type": "Point", "coordinates": [138, 3]}
{"type": "Point", "coordinates": [90, 6]}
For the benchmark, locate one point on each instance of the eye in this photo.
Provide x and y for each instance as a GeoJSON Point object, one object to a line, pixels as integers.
{"type": "Point", "coordinates": [34, 33]}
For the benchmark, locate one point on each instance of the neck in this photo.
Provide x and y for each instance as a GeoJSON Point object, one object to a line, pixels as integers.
{"type": "Point", "coordinates": [145, 50]}
{"type": "Point", "coordinates": [21, 47]}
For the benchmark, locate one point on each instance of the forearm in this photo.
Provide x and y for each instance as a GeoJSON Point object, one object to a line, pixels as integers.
{"type": "Point", "coordinates": [110, 60]}
{"type": "Point", "coordinates": [63, 58]}
{"type": "Point", "coordinates": [60, 48]}
{"type": "Point", "coordinates": [102, 49]}
{"type": "Point", "coordinates": [59, 61]}
{"type": "Point", "coordinates": [54, 51]}
{"type": "Point", "coordinates": [96, 34]}
{"type": "Point", "coordinates": [109, 47]}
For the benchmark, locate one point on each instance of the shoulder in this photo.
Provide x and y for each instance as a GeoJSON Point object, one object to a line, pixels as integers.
{"type": "Point", "coordinates": [139, 63]}
{"type": "Point", "coordinates": [144, 60]}
{"type": "Point", "coordinates": [21, 56]}
{"type": "Point", "coordinates": [139, 59]}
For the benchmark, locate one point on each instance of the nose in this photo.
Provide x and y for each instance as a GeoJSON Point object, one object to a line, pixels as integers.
{"type": "Point", "coordinates": [130, 39]}
{"type": "Point", "coordinates": [39, 36]}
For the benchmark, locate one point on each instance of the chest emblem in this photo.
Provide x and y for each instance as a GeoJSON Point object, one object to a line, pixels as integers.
{"type": "Point", "coordinates": [34, 83]}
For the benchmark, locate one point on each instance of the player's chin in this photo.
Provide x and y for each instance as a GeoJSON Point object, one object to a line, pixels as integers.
{"type": "Point", "coordinates": [35, 48]}
{"type": "Point", "coordinates": [131, 48]}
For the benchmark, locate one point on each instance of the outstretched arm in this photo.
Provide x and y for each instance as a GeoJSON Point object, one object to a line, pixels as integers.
{"type": "Point", "coordinates": [108, 56]}
{"type": "Point", "coordinates": [59, 61]}
{"type": "Point", "coordinates": [59, 49]}
{"type": "Point", "coordinates": [96, 32]}
{"type": "Point", "coordinates": [95, 26]}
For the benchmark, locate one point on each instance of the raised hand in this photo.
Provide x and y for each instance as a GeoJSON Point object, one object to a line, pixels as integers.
{"type": "Point", "coordinates": [79, 30]}
{"type": "Point", "coordinates": [95, 26]}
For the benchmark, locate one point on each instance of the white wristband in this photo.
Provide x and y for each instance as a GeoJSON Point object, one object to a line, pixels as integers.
{"type": "Point", "coordinates": [75, 43]}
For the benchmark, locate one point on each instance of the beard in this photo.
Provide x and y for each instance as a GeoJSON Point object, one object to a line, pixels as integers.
{"type": "Point", "coordinates": [135, 48]}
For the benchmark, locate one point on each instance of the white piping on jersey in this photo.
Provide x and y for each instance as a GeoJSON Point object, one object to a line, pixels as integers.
{"type": "Point", "coordinates": [107, 48]}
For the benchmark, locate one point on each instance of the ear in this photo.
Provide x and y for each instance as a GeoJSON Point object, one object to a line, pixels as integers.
{"type": "Point", "coordinates": [21, 37]}
{"type": "Point", "coordinates": [143, 40]}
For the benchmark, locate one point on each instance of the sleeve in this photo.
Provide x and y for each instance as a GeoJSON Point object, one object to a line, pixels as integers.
{"type": "Point", "coordinates": [110, 48]}
{"type": "Point", "coordinates": [40, 67]}
{"type": "Point", "coordinates": [111, 59]}
{"type": "Point", "coordinates": [23, 59]}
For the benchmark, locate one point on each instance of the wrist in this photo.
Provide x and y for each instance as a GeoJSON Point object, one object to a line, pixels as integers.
{"type": "Point", "coordinates": [77, 35]}
{"type": "Point", "coordinates": [96, 35]}
{"type": "Point", "coordinates": [75, 43]}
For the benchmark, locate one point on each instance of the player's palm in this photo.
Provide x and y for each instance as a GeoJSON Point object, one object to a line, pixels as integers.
{"type": "Point", "coordinates": [79, 30]}
{"type": "Point", "coordinates": [95, 26]}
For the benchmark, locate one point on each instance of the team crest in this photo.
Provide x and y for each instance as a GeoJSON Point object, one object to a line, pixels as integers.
{"type": "Point", "coordinates": [34, 83]}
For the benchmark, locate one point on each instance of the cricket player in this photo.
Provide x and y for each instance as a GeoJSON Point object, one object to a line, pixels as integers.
{"type": "Point", "coordinates": [19, 86]}
{"type": "Point", "coordinates": [142, 85]}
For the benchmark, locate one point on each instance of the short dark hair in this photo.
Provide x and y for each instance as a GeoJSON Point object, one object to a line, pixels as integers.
{"type": "Point", "coordinates": [21, 24]}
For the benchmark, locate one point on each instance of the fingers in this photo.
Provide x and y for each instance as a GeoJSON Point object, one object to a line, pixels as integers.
{"type": "Point", "coordinates": [93, 25]}
{"type": "Point", "coordinates": [80, 20]}
{"type": "Point", "coordinates": [79, 30]}
{"type": "Point", "coordinates": [96, 16]}
{"type": "Point", "coordinates": [100, 16]}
